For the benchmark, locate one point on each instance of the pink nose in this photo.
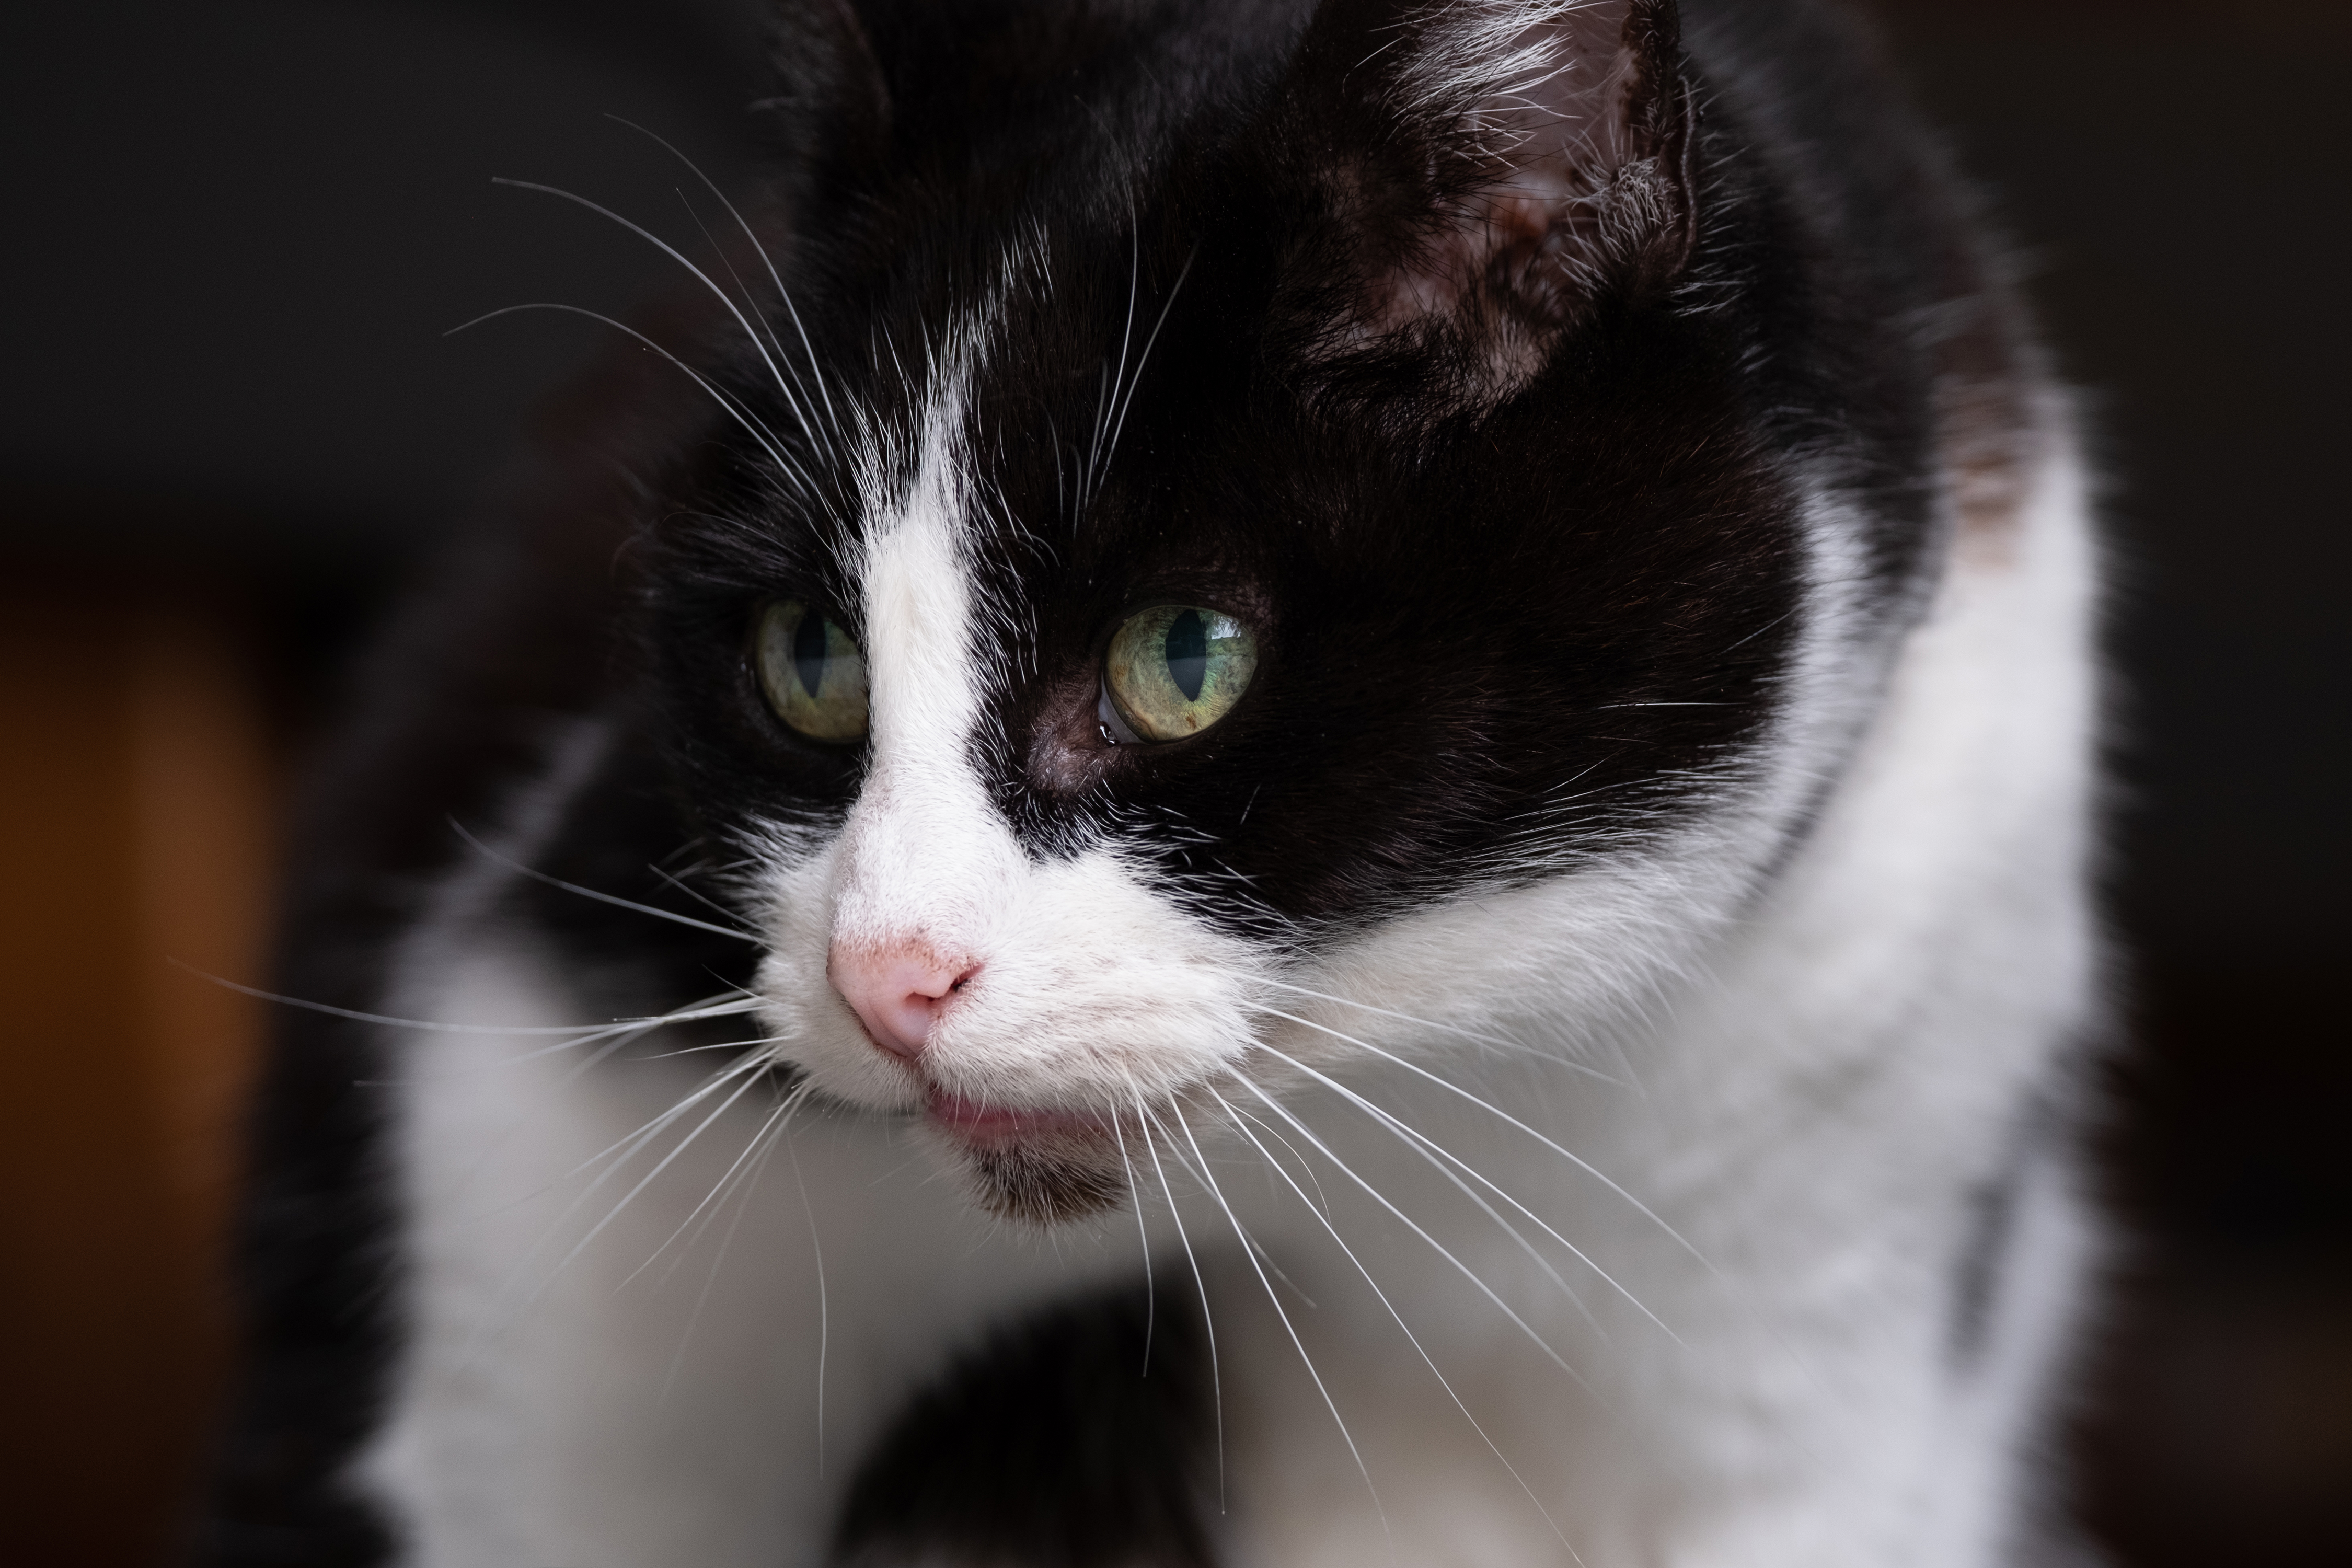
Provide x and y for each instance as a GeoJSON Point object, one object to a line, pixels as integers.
{"type": "Point", "coordinates": [899, 991]}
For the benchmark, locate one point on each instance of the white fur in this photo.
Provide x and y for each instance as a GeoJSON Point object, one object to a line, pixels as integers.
{"type": "Point", "coordinates": [1783, 1106]}
{"type": "Point", "coordinates": [1494, 57]}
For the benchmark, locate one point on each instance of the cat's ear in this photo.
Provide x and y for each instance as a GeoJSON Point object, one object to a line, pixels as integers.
{"type": "Point", "coordinates": [1477, 176]}
{"type": "Point", "coordinates": [830, 104]}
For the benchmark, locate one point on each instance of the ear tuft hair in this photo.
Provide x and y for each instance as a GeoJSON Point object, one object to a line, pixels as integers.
{"type": "Point", "coordinates": [1494, 168]}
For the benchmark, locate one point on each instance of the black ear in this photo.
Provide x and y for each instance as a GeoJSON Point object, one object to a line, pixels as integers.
{"type": "Point", "coordinates": [1476, 176]}
{"type": "Point", "coordinates": [831, 106]}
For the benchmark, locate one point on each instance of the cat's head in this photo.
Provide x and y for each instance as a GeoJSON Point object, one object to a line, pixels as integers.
{"type": "Point", "coordinates": [1237, 559]}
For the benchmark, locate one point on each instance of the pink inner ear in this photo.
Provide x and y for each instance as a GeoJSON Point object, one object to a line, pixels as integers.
{"type": "Point", "coordinates": [1532, 105]}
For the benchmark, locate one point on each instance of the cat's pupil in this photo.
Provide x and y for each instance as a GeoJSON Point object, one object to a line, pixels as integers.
{"type": "Point", "coordinates": [1188, 653]}
{"type": "Point", "coordinates": [808, 651]}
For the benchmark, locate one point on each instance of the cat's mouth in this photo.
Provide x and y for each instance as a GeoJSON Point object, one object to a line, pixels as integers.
{"type": "Point", "coordinates": [1047, 1167]}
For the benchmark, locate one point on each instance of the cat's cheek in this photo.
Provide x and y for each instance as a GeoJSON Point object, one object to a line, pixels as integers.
{"type": "Point", "coordinates": [1099, 988]}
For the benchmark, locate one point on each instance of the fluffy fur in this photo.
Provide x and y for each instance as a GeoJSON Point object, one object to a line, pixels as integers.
{"type": "Point", "coordinates": [1582, 1056]}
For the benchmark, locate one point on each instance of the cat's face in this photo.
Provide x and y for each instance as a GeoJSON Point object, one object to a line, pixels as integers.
{"type": "Point", "coordinates": [1244, 675]}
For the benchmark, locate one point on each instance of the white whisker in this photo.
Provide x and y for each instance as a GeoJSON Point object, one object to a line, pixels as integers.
{"type": "Point", "coordinates": [1151, 1295]}
{"type": "Point", "coordinates": [620, 1041]}
{"type": "Point", "coordinates": [1104, 405]}
{"type": "Point", "coordinates": [583, 1032]}
{"type": "Point", "coordinates": [1501, 1042]}
{"type": "Point", "coordinates": [726, 1177]}
{"type": "Point", "coordinates": [663, 1164]}
{"type": "Point", "coordinates": [628, 1145]}
{"type": "Point", "coordinates": [1586, 1167]}
{"type": "Point", "coordinates": [643, 1134]}
{"type": "Point", "coordinates": [619, 1155]}
{"type": "Point", "coordinates": [766, 328]}
{"type": "Point", "coordinates": [705, 900]}
{"type": "Point", "coordinates": [1410, 1224]}
{"type": "Point", "coordinates": [1430, 1150]}
{"type": "Point", "coordinates": [783, 296]}
{"type": "Point", "coordinates": [1250, 1249]}
{"type": "Point", "coordinates": [824, 1300]}
{"type": "Point", "coordinates": [1145, 357]}
{"type": "Point", "coordinates": [1199, 1282]}
{"type": "Point", "coordinates": [717, 1045]}
{"type": "Point", "coordinates": [754, 427]}
{"type": "Point", "coordinates": [1403, 1326]}
{"type": "Point", "coordinates": [1322, 1201]}
{"type": "Point", "coordinates": [774, 370]}
{"type": "Point", "coordinates": [747, 1187]}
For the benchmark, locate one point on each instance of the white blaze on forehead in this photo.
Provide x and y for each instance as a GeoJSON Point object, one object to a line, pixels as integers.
{"type": "Point", "coordinates": [925, 856]}
{"type": "Point", "coordinates": [918, 604]}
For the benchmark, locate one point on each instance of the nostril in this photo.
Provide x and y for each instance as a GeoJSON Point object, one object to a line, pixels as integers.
{"type": "Point", "coordinates": [899, 993]}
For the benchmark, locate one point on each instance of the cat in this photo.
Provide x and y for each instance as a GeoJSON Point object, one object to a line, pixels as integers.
{"type": "Point", "coordinates": [1304, 784]}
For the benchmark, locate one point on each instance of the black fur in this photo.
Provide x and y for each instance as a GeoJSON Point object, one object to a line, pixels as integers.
{"type": "Point", "coordinates": [1083, 1436]}
{"type": "Point", "coordinates": [1464, 597]}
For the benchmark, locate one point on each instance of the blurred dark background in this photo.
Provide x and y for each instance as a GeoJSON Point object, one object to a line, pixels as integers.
{"type": "Point", "coordinates": [231, 425]}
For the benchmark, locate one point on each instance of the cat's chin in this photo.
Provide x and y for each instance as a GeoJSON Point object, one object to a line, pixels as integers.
{"type": "Point", "coordinates": [1040, 1169]}
{"type": "Point", "coordinates": [1043, 1185]}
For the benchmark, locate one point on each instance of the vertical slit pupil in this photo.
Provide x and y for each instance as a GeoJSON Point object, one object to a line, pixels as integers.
{"type": "Point", "coordinates": [809, 651]}
{"type": "Point", "coordinates": [1188, 653]}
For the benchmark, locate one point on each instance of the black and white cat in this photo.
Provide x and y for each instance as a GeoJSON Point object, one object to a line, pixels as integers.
{"type": "Point", "coordinates": [1331, 761]}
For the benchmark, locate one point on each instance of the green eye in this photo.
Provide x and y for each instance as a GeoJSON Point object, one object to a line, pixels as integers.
{"type": "Point", "coordinates": [1176, 669]}
{"type": "Point", "coordinates": [812, 671]}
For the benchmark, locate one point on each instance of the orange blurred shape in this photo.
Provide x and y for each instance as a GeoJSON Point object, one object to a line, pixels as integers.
{"type": "Point", "coordinates": [137, 810]}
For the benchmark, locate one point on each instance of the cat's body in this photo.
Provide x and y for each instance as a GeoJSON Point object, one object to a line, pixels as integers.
{"type": "Point", "coordinates": [1669, 583]}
